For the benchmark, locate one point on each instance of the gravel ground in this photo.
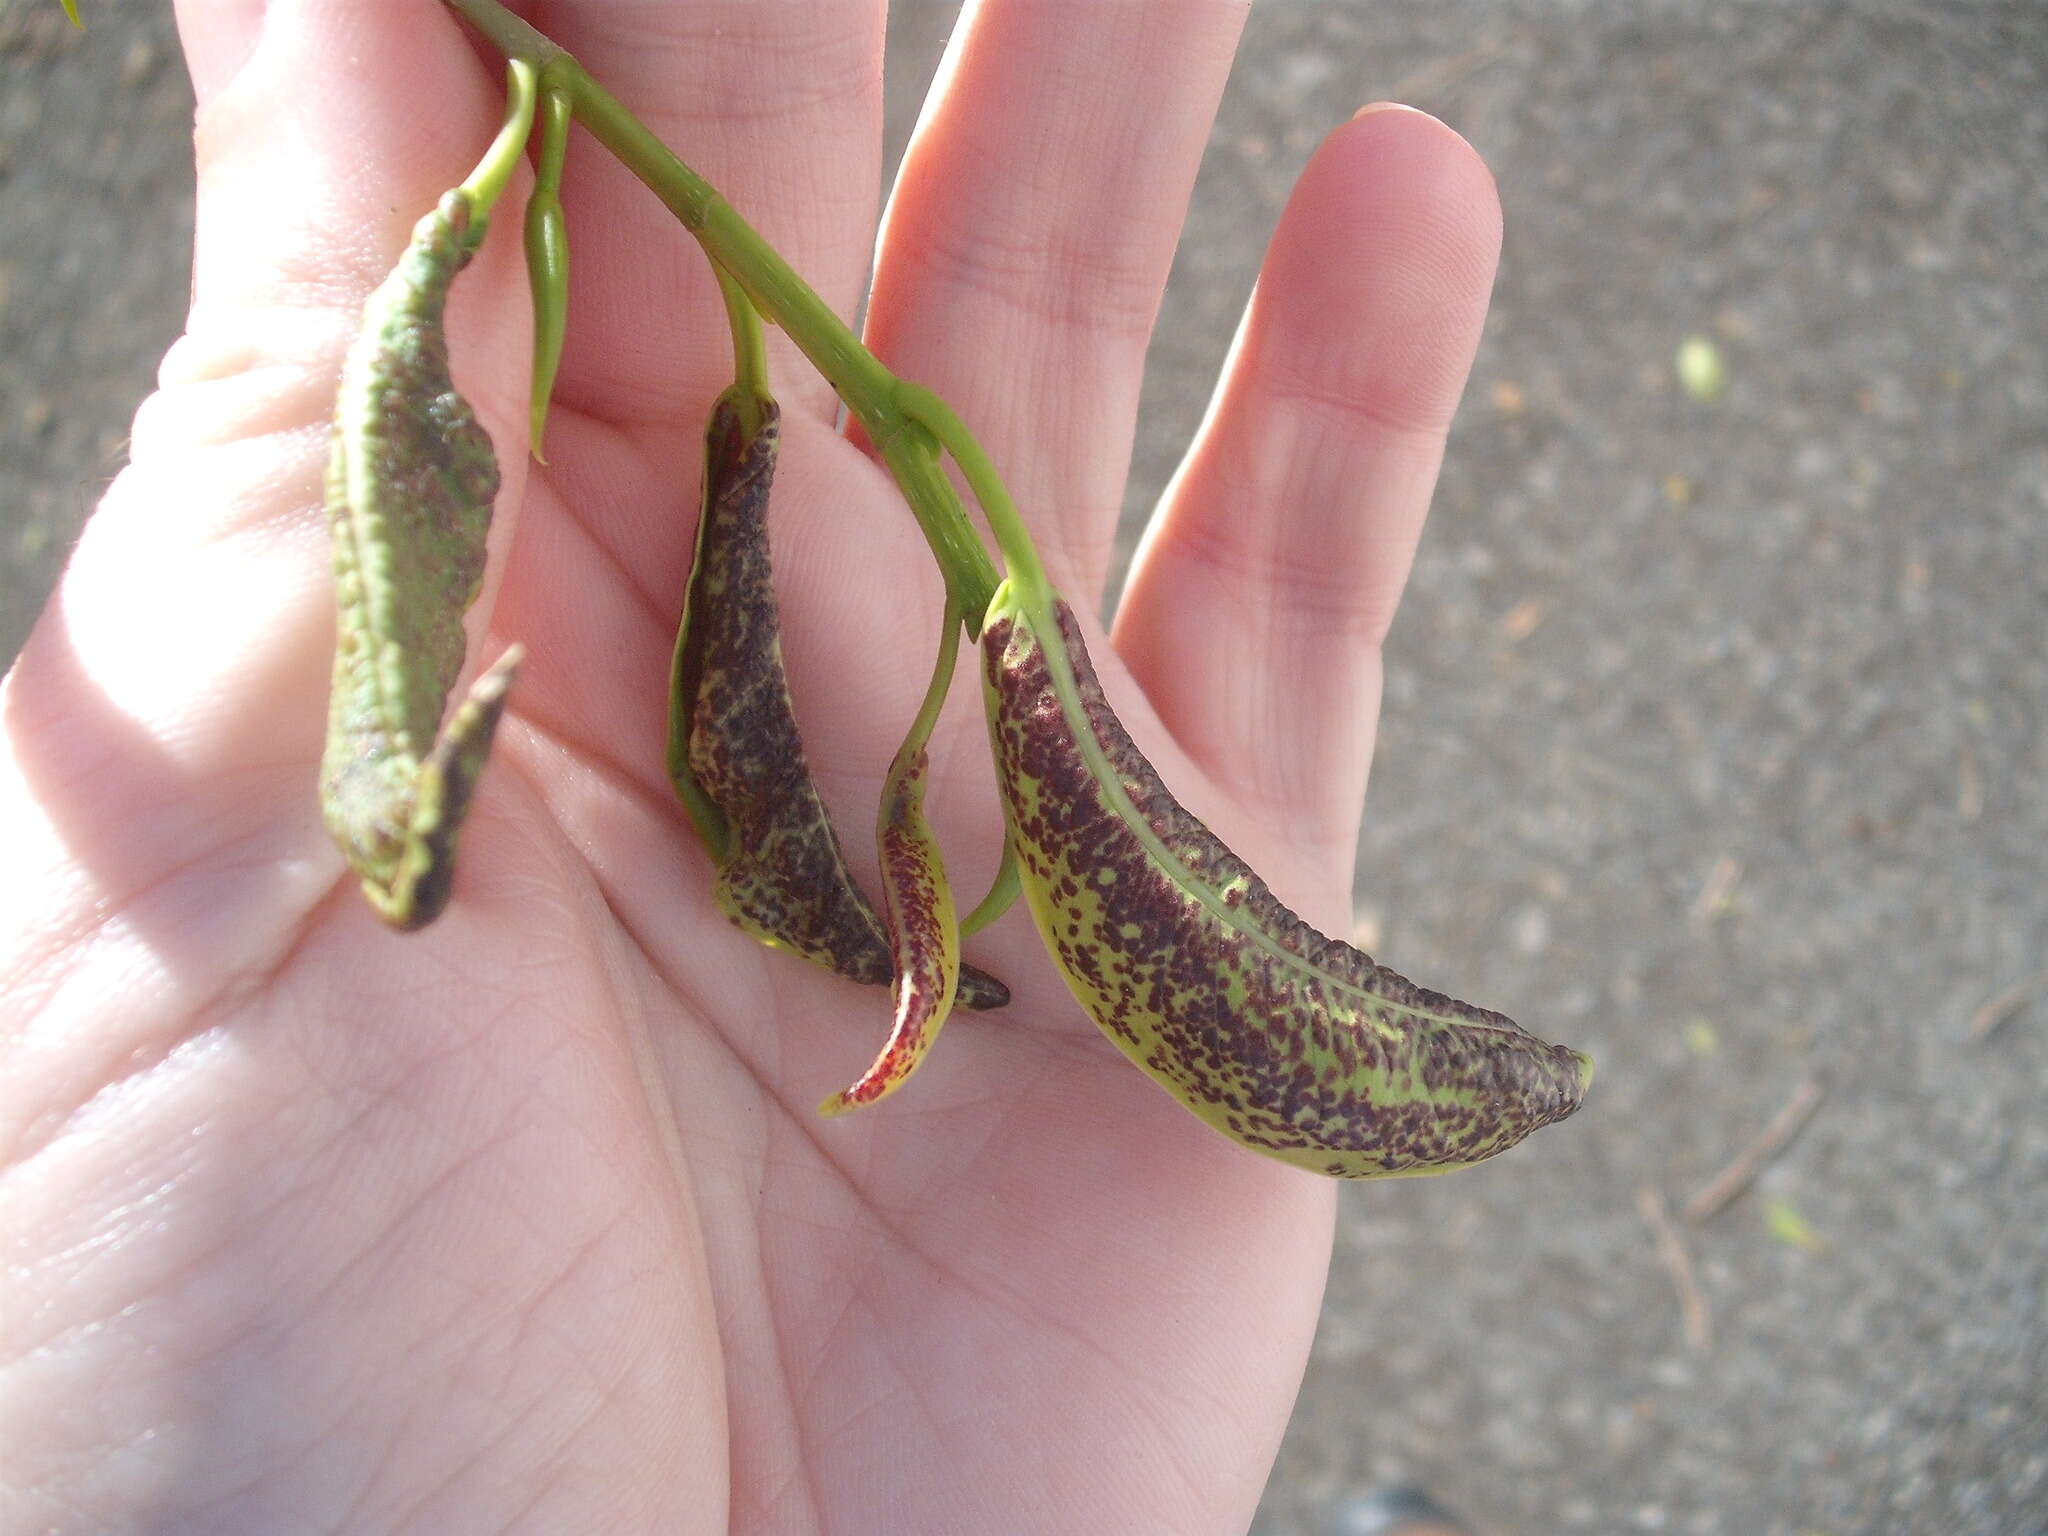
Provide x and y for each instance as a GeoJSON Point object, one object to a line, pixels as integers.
{"type": "Point", "coordinates": [1714, 737]}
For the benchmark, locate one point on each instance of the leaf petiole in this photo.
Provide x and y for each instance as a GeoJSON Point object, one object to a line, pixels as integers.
{"type": "Point", "coordinates": [1003, 892]}
{"type": "Point", "coordinates": [484, 184]}
{"type": "Point", "coordinates": [749, 353]}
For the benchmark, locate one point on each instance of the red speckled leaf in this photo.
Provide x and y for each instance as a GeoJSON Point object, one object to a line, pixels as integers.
{"type": "Point", "coordinates": [924, 934]}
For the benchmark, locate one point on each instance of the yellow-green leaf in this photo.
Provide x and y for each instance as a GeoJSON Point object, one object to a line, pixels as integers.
{"type": "Point", "coordinates": [1701, 373]}
{"type": "Point", "coordinates": [1287, 1041]}
{"type": "Point", "coordinates": [1789, 1227]}
{"type": "Point", "coordinates": [410, 484]}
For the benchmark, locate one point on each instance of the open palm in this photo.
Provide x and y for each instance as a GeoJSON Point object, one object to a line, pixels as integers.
{"type": "Point", "coordinates": [528, 1222]}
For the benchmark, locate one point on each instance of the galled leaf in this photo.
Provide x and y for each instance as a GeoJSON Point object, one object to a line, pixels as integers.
{"type": "Point", "coordinates": [924, 930]}
{"type": "Point", "coordinates": [1291, 1043]}
{"type": "Point", "coordinates": [735, 755]}
{"type": "Point", "coordinates": [409, 490]}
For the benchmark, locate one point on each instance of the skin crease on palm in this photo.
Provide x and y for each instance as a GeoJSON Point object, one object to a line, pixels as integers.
{"type": "Point", "coordinates": [527, 1222]}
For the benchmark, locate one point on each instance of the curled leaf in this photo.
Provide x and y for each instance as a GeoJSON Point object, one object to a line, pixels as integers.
{"type": "Point", "coordinates": [924, 930]}
{"type": "Point", "coordinates": [1289, 1042]}
{"type": "Point", "coordinates": [409, 490]}
{"type": "Point", "coordinates": [735, 755]}
{"type": "Point", "coordinates": [917, 901]}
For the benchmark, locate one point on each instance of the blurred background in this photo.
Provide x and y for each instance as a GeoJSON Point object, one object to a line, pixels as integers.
{"type": "Point", "coordinates": [1714, 736]}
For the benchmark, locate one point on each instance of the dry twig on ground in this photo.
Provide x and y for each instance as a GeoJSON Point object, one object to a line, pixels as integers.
{"type": "Point", "coordinates": [1671, 1252]}
{"type": "Point", "coordinates": [1721, 1191]}
{"type": "Point", "coordinates": [2000, 1006]}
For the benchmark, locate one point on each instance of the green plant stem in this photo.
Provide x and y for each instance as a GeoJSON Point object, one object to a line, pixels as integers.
{"type": "Point", "coordinates": [1019, 553]}
{"type": "Point", "coordinates": [871, 392]}
{"type": "Point", "coordinates": [935, 691]}
{"type": "Point", "coordinates": [506, 32]}
{"type": "Point", "coordinates": [856, 375]}
{"type": "Point", "coordinates": [911, 456]}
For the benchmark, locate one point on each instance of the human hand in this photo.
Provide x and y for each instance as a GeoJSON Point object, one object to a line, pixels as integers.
{"type": "Point", "coordinates": [528, 1222]}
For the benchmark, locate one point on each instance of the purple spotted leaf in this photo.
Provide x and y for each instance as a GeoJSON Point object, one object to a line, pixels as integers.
{"type": "Point", "coordinates": [735, 755]}
{"type": "Point", "coordinates": [1287, 1041]}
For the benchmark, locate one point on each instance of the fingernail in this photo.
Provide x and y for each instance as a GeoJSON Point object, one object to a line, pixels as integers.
{"type": "Point", "coordinates": [1373, 107]}
{"type": "Point", "coordinates": [218, 39]}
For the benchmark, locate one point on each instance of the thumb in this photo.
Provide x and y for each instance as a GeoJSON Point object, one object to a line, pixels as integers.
{"type": "Point", "coordinates": [161, 727]}
{"type": "Point", "coordinates": [218, 36]}
{"type": "Point", "coordinates": [324, 129]}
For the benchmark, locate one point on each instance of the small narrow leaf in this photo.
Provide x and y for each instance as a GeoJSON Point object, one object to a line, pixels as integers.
{"type": "Point", "coordinates": [547, 260]}
{"type": "Point", "coordinates": [1785, 1224]}
{"type": "Point", "coordinates": [924, 931]}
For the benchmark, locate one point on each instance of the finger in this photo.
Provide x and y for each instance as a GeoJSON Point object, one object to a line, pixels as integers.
{"type": "Point", "coordinates": [780, 108]}
{"type": "Point", "coordinates": [218, 36]}
{"type": "Point", "coordinates": [311, 173]}
{"type": "Point", "coordinates": [1029, 236]}
{"type": "Point", "coordinates": [324, 129]}
{"type": "Point", "coordinates": [169, 774]}
{"type": "Point", "coordinates": [1268, 577]}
